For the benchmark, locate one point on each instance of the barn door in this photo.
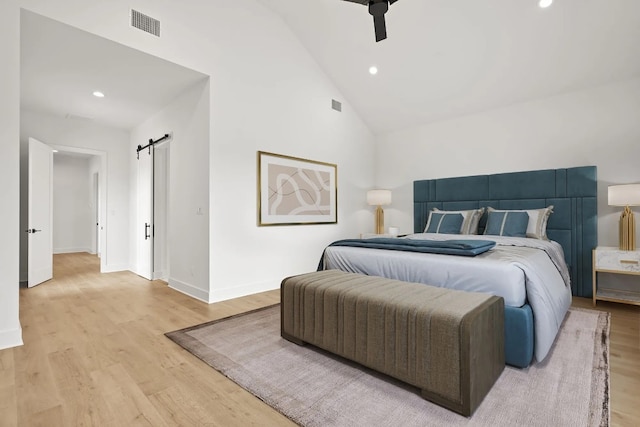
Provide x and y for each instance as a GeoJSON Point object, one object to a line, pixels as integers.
{"type": "Point", "coordinates": [144, 225]}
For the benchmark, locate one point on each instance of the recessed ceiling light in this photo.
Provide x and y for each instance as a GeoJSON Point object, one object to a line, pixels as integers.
{"type": "Point", "coordinates": [98, 94]}
{"type": "Point", "coordinates": [373, 70]}
{"type": "Point", "coordinates": [55, 151]}
{"type": "Point", "coordinates": [545, 3]}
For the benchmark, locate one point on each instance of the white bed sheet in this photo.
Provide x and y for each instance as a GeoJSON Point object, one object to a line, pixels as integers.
{"type": "Point", "coordinates": [482, 273]}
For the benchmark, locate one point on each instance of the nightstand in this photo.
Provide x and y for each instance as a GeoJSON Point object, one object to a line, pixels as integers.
{"type": "Point", "coordinates": [615, 261]}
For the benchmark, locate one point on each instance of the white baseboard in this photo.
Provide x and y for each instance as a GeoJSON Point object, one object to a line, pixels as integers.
{"type": "Point", "coordinates": [70, 250]}
{"type": "Point", "coordinates": [12, 338]}
{"type": "Point", "coordinates": [190, 290]}
{"type": "Point", "coordinates": [224, 294]}
{"type": "Point", "coordinates": [250, 288]}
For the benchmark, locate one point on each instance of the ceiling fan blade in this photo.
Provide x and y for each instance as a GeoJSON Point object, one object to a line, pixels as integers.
{"type": "Point", "coordinates": [377, 8]}
{"type": "Point", "coordinates": [381, 27]}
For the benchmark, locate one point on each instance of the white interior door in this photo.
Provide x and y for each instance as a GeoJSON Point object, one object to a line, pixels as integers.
{"type": "Point", "coordinates": [40, 230]}
{"type": "Point", "coordinates": [144, 228]}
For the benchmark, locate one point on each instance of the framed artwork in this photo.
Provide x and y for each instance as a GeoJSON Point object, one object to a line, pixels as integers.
{"type": "Point", "coordinates": [294, 191]}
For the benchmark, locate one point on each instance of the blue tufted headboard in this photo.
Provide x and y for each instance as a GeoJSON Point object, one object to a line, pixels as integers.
{"type": "Point", "coordinates": [572, 192]}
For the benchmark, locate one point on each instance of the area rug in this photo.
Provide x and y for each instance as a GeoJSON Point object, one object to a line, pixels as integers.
{"type": "Point", "coordinates": [314, 388]}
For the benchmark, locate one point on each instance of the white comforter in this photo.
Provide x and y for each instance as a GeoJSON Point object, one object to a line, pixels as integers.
{"type": "Point", "coordinates": [518, 269]}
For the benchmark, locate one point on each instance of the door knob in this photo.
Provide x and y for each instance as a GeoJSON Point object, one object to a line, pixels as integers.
{"type": "Point", "coordinates": [32, 230]}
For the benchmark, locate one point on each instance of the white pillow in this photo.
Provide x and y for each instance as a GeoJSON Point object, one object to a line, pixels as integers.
{"type": "Point", "coordinates": [538, 218]}
{"type": "Point", "coordinates": [470, 222]}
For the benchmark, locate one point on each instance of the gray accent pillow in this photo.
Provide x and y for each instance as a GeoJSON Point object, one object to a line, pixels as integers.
{"type": "Point", "coordinates": [507, 223]}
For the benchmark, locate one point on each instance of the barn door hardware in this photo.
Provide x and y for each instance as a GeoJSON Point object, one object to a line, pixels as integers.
{"type": "Point", "coordinates": [150, 144]}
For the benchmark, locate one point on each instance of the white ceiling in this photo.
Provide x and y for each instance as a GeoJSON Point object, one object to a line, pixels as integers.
{"type": "Point", "coordinates": [446, 58]}
{"type": "Point", "coordinates": [442, 59]}
{"type": "Point", "coordinates": [61, 66]}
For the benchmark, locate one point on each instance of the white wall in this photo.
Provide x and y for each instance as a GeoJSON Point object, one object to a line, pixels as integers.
{"type": "Point", "coordinates": [598, 126]}
{"type": "Point", "coordinates": [267, 93]}
{"type": "Point", "coordinates": [60, 131]}
{"type": "Point", "coordinates": [187, 120]}
{"type": "Point", "coordinates": [273, 97]}
{"type": "Point", "coordinates": [10, 330]}
{"type": "Point", "coordinates": [72, 213]}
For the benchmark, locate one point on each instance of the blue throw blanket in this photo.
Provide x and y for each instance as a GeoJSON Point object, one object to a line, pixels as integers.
{"type": "Point", "coordinates": [446, 247]}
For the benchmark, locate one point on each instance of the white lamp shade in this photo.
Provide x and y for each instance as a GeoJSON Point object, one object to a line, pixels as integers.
{"type": "Point", "coordinates": [624, 195]}
{"type": "Point", "coordinates": [379, 197]}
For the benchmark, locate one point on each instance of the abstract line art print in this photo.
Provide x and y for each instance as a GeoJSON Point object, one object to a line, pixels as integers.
{"type": "Point", "coordinates": [295, 191]}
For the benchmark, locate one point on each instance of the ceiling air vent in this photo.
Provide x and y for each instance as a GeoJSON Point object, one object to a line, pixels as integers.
{"type": "Point", "coordinates": [145, 23]}
{"type": "Point", "coordinates": [336, 105]}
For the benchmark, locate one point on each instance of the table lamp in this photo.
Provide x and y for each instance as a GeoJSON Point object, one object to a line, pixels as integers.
{"type": "Point", "coordinates": [379, 198]}
{"type": "Point", "coordinates": [626, 195]}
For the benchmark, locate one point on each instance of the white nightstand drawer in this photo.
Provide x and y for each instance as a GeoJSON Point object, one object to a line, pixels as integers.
{"type": "Point", "coordinates": [617, 260]}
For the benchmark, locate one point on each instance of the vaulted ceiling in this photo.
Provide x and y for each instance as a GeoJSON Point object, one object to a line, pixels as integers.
{"type": "Point", "coordinates": [446, 58]}
{"type": "Point", "coordinates": [442, 58]}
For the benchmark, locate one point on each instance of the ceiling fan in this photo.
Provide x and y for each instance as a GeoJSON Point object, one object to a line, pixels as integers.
{"type": "Point", "coordinates": [377, 8]}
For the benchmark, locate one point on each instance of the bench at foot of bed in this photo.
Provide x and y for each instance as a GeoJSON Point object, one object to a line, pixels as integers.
{"type": "Point", "coordinates": [448, 343]}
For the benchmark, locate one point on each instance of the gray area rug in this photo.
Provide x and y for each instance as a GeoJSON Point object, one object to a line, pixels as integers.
{"type": "Point", "coordinates": [314, 388]}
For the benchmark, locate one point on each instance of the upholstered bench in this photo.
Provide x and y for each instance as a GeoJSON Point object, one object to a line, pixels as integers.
{"type": "Point", "coordinates": [448, 343]}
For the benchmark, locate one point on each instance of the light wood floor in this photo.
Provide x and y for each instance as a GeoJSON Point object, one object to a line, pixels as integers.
{"type": "Point", "coordinates": [95, 354]}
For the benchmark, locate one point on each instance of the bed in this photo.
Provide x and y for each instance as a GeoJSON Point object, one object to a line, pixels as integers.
{"type": "Point", "coordinates": [537, 293]}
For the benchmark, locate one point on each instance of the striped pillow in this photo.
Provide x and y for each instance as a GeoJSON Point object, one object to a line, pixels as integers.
{"type": "Point", "coordinates": [507, 223]}
{"type": "Point", "coordinates": [470, 221]}
{"type": "Point", "coordinates": [538, 218]}
{"type": "Point", "coordinates": [444, 223]}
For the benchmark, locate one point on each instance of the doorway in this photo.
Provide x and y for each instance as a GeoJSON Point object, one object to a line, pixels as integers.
{"type": "Point", "coordinates": [91, 225]}
{"type": "Point", "coordinates": [77, 197]}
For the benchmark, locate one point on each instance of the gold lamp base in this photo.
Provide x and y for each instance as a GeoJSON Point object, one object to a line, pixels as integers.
{"type": "Point", "coordinates": [627, 230]}
{"type": "Point", "coordinates": [379, 220]}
